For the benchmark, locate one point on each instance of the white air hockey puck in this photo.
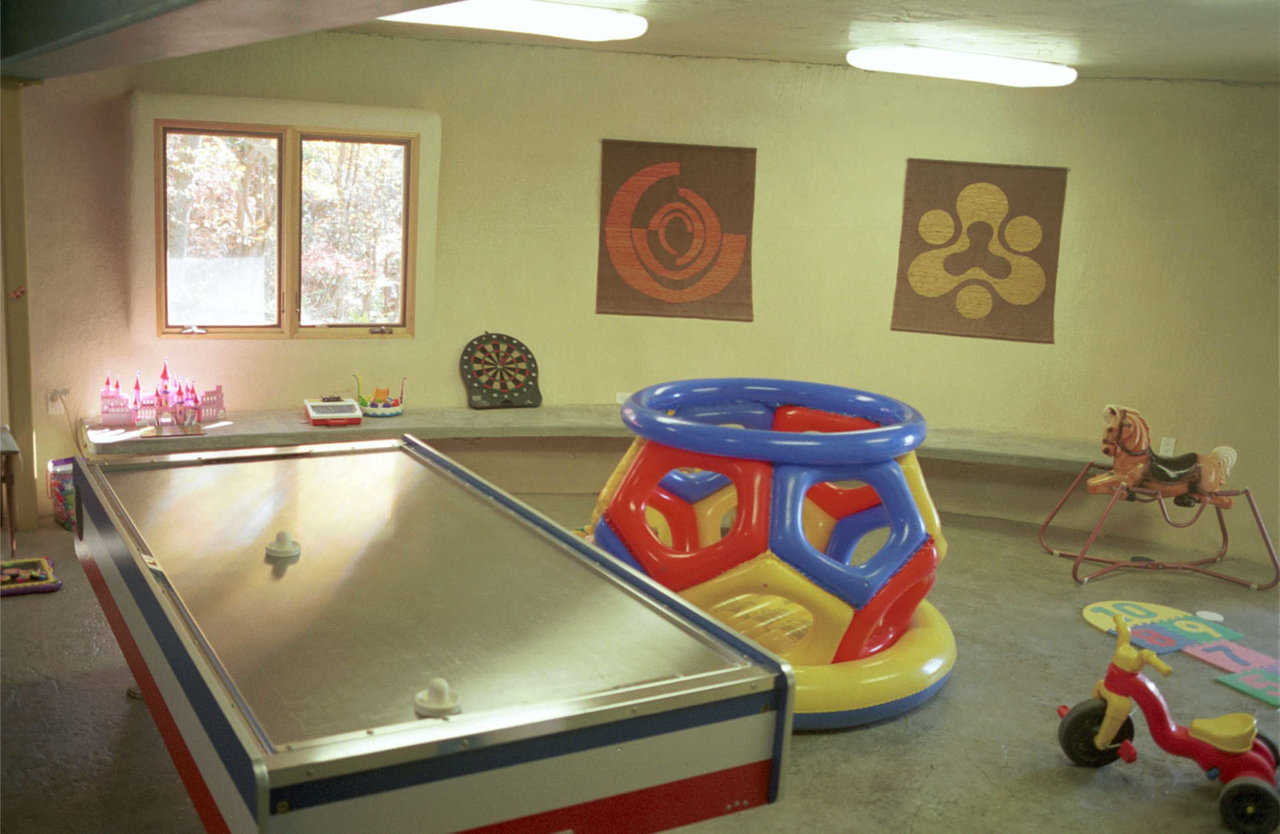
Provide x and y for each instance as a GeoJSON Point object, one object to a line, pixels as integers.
{"type": "Point", "coordinates": [437, 700]}
{"type": "Point", "coordinates": [283, 547]}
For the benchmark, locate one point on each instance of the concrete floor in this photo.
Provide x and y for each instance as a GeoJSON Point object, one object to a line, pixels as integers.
{"type": "Point", "coordinates": [77, 755]}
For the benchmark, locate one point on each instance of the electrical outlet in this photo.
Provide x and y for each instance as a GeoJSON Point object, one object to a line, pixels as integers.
{"type": "Point", "coordinates": [55, 398]}
{"type": "Point", "coordinates": [1166, 447]}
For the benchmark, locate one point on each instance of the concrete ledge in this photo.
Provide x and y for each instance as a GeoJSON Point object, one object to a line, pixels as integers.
{"type": "Point", "coordinates": [1004, 449]}
{"type": "Point", "coordinates": [290, 428]}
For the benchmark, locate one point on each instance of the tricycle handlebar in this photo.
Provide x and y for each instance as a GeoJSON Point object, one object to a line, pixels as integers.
{"type": "Point", "coordinates": [1132, 660]}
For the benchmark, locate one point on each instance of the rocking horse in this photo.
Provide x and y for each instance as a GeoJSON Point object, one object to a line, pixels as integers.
{"type": "Point", "coordinates": [1139, 474]}
{"type": "Point", "coordinates": [1188, 479]}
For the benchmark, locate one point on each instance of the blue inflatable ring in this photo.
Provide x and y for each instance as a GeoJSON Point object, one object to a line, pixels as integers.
{"type": "Point", "coordinates": [687, 414]}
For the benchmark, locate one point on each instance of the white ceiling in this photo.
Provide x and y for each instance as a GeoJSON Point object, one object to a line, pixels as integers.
{"type": "Point", "coordinates": [1222, 40]}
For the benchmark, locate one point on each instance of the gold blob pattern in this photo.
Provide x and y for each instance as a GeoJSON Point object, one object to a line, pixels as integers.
{"type": "Point", "coordinates": [1023, 233]}
{"type": "Point", "coordinates": [979, 202]}
{"type": "Point", "coordinates": [973, 301]}
{"type": "Point", "coordinates": [937, 227]}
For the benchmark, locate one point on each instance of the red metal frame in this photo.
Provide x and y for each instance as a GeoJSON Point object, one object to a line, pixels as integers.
{"type": "Point", "coordinates": [1147, 496]}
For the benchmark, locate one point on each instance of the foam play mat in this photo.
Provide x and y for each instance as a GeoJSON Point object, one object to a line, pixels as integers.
{"type": "Point", "coordinates": [1165, 630]}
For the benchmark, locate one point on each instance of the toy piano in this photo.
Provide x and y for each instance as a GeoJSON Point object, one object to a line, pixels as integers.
{"type": "Point", "coordinates": [368, 637]}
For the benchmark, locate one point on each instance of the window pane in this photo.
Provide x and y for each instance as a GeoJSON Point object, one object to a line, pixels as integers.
{"type": "Point", "coordinates": [222, 219]}
{"type": "Point", "coordinates": [353, 232]}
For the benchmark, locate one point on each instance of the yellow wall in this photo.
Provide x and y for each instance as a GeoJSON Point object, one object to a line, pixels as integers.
{"type": "Point", "coordinates": [15, 355]}
{"type": "Point", "coordinates": [1167, 282]}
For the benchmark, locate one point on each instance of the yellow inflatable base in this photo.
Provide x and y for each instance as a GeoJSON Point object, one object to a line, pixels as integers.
{"type": "Point", "coordinates": [882, 686]}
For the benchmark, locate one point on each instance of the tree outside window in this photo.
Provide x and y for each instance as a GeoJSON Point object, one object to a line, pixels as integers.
{"type": "Point", "coordinates": [222, 228]}
{"type": "Point", "coordinates": [256, 244]}
{"type": "Point", "coordinates": [353, 232]}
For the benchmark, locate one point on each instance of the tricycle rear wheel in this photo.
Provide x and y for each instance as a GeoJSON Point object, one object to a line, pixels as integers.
{"type": "Point", "coordinates": [1271, 748]}
{"type": "Point", "coordinates": [1249, 806]}
{"type": "Point", "coordinates": [1078, 728]}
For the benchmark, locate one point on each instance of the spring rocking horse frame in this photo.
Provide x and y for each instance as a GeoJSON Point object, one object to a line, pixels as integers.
{"type": "Point", "coordinates": [1138, 474]}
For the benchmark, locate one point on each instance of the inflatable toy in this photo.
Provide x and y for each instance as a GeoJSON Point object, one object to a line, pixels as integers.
{"type": "Point", "coordinates": [795, 513]}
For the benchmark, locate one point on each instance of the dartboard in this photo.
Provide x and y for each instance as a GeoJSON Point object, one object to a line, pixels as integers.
{"type": "Point", "coordinates": [499, 371]}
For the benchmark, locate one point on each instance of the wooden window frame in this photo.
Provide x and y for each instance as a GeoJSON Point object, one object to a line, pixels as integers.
{"type": "Point", "coordinates": [288, 234]}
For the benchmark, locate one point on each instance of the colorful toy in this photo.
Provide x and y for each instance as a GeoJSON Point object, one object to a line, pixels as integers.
{"type": "Point", "coordinates": [1139, 474]}
{"type": "Point", "coordinates": [61, 490]}
{"type": "Point", "coordinates": [1228, 748]}
{"type": "Point", "coordinates": [332, 411]}
{"type": "Point", "coordinates": [751, 497]}
{"type": "Point", "coordinates": [381, 404]}
{"type": "Point", "coordinates": [175, 404]}
{"type": "Point", "coordinates": [27, 576]}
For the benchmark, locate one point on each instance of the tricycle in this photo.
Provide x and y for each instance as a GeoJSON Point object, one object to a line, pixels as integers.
{"type": "Point", "coordinates": [1227, 748]}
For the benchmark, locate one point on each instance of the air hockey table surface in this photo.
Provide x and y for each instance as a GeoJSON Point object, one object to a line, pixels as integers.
{"type": "Point", "coordinates": [590, 699]}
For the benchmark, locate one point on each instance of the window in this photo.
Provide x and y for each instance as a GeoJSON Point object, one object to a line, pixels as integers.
{"type": "Point", "coordinates": [282, 231]}
{"type": "Point", "coordinates": [222, 229]}
{"type": "Point", "coordinates": [353, 231]}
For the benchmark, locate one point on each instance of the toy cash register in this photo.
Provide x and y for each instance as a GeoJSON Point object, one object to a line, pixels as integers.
{"type": "Point", "coordinates": [333, 412]}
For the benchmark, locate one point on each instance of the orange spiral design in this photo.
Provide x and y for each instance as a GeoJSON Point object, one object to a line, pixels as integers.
{"type": "Point", "coordinates": [712, 259]}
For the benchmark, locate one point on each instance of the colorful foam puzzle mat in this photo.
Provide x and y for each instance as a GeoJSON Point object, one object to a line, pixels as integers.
{"type": "Point", "coordinates": [27, 576]}
{"type": "Point", "coordinates": [1229, 656]}
{"type": "Point", "coordinates": [1165, 630]}
{"type": "Point", "coordinates": [1263, 684]}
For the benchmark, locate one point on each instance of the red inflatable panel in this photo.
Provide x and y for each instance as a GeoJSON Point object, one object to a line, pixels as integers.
{"type": "Point", "coordinates": [680, 518]}
{"type": "Point", "coordinates": [675, 569]}
{"type": "Point", "coordinates": [887, 616]}
{"type": "Point", "coordinates": [838, 503]}
{"type": "Point", "coordinates": [799, 418]}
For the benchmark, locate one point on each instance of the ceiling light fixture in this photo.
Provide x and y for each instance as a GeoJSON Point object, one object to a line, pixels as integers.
{"type": "Point", "coordinates": [532, 17]}
{"type": "Point", "coordinates": [940, 63]}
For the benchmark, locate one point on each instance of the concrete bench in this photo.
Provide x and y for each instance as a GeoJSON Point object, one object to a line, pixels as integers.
{"type": "Point", "coordinates": [290, 428]}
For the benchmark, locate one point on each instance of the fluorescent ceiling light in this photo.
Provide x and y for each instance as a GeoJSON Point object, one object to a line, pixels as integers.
{"type": "Point", "coordinates": [939, 63]}
{"type": "Point", "coordinates": [533, 17]}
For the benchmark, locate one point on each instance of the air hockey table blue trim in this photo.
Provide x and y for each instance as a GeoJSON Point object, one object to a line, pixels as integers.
{"type": "Point", "coordinates": [642, 583]}
{"type": "Point", "coordinates": [348, 786]}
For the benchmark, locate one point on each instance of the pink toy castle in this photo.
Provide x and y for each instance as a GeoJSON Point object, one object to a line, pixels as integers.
{"type": "Point", "coordinates": [174, 402]}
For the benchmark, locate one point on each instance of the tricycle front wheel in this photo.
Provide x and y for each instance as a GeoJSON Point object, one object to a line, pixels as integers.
{"type": "Point", "coordinates": [1080, 726]}
{"type": "Point", "coordinates": [1249, 806]}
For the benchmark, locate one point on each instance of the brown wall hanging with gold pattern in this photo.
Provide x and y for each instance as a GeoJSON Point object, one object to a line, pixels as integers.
{"type": "Point", "coordinates": [979, 250]}
{"type": "Point", "coordinates": [675, 230]}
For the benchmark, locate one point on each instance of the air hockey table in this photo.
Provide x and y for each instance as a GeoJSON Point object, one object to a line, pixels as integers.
{"type": "Point", "coordinates": [369, 637]}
